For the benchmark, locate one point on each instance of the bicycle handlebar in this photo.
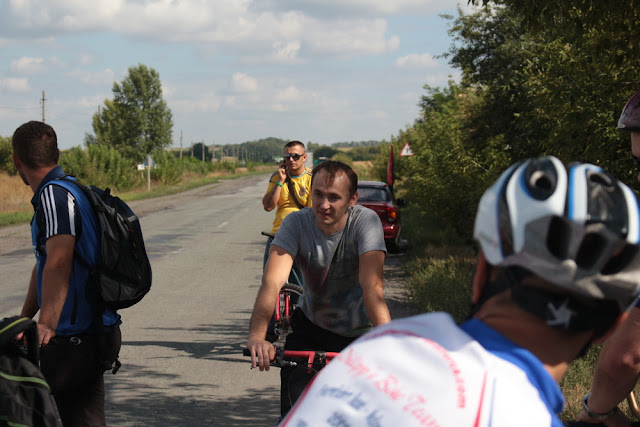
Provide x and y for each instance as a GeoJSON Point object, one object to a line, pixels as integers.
{"type": "Point", "coordinates": [283, 357]}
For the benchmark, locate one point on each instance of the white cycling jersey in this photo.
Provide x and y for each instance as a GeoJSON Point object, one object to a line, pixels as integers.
{"type": "Point", "coordinates": [427, 371]}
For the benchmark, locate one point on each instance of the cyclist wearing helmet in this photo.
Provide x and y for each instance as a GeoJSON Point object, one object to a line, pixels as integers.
{"type": "Point", "coordinates": [558, 268]}
{"type": "Point", "coordinates": [618, 366]}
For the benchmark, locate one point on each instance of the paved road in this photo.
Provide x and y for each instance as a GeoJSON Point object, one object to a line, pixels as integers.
{"type": "Point", "coordinates": [181, 353]}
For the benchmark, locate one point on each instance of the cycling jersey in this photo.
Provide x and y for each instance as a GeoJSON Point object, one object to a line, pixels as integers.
{"type": "Point", "coordinates": [427, 371]}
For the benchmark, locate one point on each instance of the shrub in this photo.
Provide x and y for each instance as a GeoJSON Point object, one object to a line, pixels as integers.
{"type": "Point", "coordinates": [168, 170]}
{"type": "Point", "coordinates": [102, 166]}
{"type": "Point", "coordinates": [6, 156]}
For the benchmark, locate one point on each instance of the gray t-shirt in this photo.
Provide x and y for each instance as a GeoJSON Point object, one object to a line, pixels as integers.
{"type": "Point", "coordinates": [330, 264]}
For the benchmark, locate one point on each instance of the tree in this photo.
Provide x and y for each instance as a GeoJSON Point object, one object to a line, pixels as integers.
{"type": "Point", "coordinates": [137, 120]}
{"type": "Point", "coordinates": [6, 155]}
{"type": "Point", "coordinates": [552, 89]}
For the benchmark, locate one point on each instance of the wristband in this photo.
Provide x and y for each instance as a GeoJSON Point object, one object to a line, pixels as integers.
{"type": "Point", "coordinates": [278, 184]}
{"type": "Point", "coordinates": [595, 415]}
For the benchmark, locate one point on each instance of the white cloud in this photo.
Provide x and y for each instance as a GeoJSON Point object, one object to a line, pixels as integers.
{"type": "Point", "coordinates": [101, 78]}
{"type": "Point", "coordinates": [290, 94]}
{"type": "Point", "coordinates": [27, 65]}
{"type": "Point", "coordinates": [379, 114]}
{"type": "Point", "coordinates": [91, 101]}
{"type": "Point", "coordinates": [286, 52]}
{"type": "Point", "coordinates": [85, 59]}
{"type": "Point", "coordinates": [354, 37]}
{"type": "Point", "coordinates": [237, 23]}
{"type": "Point", "coordinates": [168, 90]}
{"type": "Point", "coordinates": [341, 8]}
{"type": "Point", "coordinates": [244, 83]}
{"type": "Point", "coordinates": [208, 103]}
{"type": "Point", "coordinates": [14, 84]}
{"type": "Point", "coordinates": [417, 60]}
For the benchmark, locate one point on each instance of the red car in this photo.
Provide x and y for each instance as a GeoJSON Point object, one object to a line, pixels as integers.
{"type": "Point", "coordinates": [377, 196]}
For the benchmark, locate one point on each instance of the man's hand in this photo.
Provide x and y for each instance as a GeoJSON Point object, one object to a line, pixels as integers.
{"type": "Point", "coordinates": [45, 334]}
{"type": "Point", "coordinates": [262, 352]}
{"type": "Point", "coordinates": [619, 419]}
{"type": "Point", "coordinates": [270, 199]}
{"type": "Point", "coordinates": [282, 171]}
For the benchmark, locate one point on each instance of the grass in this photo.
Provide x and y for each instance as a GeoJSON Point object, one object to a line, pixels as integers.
{"type": "Point", "coordinates": [15, 207]}
{"type": "Point", "coordinates": [15, 196]}
{"type": "Point", "coordinates": [439, 268]}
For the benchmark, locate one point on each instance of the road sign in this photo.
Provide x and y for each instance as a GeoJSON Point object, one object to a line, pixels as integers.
{"type": "Point", "coordinates": [406, 150]}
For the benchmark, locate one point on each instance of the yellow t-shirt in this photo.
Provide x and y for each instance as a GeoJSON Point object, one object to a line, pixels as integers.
{"type": "Point", "coordinates": [286, 204]}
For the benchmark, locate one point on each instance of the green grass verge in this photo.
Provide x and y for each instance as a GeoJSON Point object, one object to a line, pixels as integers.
{"type": "Point", "coordinates": [12, 218]}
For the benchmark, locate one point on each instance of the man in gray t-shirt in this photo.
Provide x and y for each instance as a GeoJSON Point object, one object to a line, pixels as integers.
{"type": "Point", "coordinates": [339, 246]}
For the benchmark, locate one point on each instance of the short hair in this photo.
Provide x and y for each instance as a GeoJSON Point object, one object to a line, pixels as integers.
{"type": "Point", "coordinates": [334, 168]}
{"type": "Point", "coordinates": [35, 144]}
{"type": "Point", "coordinates": [293, 144]}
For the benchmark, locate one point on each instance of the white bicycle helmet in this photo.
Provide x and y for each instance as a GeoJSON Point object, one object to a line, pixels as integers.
{"type": "Point", "coordinates": [630, 117]}
{"type": "Point", "coordinates": [577, 227]}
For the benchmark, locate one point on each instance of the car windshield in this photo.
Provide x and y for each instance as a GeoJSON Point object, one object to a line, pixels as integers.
{"type": "Point", "coordinates": [371, 194]}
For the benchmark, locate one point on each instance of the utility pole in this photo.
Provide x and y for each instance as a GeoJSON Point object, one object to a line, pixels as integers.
{"type": "Point", "coordinates": [42, 102]}
{"type": "Point", "coordinates": [203, 151]}
{"type": "Point", "coordinates": [180, 144]}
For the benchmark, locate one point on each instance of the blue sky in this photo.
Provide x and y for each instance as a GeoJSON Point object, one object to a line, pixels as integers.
{"type": "Point", "coordinates": [232, 70]}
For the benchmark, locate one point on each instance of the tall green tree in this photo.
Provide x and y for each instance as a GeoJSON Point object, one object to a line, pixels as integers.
{"type": "Point", "coordinates": [137, 120]}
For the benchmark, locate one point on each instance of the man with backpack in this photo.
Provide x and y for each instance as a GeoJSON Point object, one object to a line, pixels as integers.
{"type": "Point", "coordinates": [75, 338]}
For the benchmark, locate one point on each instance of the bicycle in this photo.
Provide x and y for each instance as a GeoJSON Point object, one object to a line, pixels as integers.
{"type": "Point", "coordinates": [312, 360]}
{"type": "Point", "coordinates": [288, 297]}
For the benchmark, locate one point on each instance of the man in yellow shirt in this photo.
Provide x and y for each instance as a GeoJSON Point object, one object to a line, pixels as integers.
{"type": "Point", "coordinates": [288, 191]}
{"type": "Point", "coordinates": [291, 175]}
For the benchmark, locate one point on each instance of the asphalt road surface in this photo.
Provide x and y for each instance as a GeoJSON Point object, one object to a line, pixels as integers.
{"type": "Point", "coordinates": [181, 356]}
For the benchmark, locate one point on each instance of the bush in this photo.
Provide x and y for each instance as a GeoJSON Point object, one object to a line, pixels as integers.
{"type": "Point", "coordinates": [344, 158]}
{"type": "Point", "coordinates": [168, 170]}
{"type": "Point", "coordinates": [6, 156]}
{"type": "Point", "coordinates": [102, 166]}
{"type": "Point", "coordinates": [194, 165]}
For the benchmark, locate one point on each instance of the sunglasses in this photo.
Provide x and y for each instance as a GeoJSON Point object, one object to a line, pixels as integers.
{"type": "Point", "coordinates": [636, 160]}
{"type": "Point", "coordinates": [295, 157]}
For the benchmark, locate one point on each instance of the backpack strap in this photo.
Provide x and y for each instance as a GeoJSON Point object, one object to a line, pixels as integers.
{"type": "Point", "coordinates": [40, 219]}
{"type": "Point", "coordinates": [292, 192]}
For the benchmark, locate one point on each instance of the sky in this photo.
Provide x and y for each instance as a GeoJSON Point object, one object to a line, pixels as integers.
{"type": "Point", "coordinates": [231, 70]}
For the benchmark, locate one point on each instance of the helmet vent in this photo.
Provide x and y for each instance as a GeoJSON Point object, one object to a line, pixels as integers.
{"type": "Point", "coordinates": [600, 179]}
{"type": "Point", "coordinates": [558, 237]}
{"type": "Point", "coordinates": [590, 250]}
{"type": "Point", "coordinates": [541, 178]}
{"type": "Point", "coordinates": [619, 261]}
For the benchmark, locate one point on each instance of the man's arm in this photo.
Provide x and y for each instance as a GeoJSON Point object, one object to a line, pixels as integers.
{"type": "Point", "coordinates": [30, 306]}
{"type": "Point", "coordinates": [370, 276]}
{"type": "Point", "coordinates": [275, 275]}
{"type": "Point", "coordinates": [270, 199]}
{"type": "Point", "coordinates": [55, 283]}
{"type": "Point", "coordinates": [617, 370]}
